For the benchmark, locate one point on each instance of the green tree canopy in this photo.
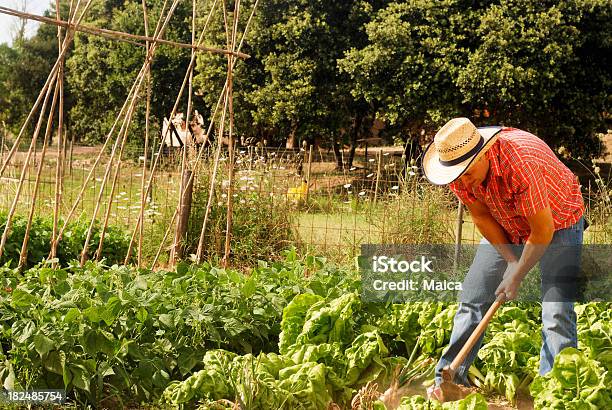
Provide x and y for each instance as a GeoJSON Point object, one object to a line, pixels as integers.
{"type": "Point", "coordinates": [102, 72]}
{"type": "Point", "coordinates": [542, 66]}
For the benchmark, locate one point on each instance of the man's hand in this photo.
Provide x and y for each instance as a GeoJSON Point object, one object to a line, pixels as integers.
{"type": "Point", "coordinates": [511, 282]}
{"type": "Point", "coordinates": [542, 230]}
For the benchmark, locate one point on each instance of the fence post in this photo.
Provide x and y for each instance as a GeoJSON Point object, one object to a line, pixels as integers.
{"type": "Point", "coordinates": [71, 151]}
{"type": "Point", "coordinates": [308, 172]}
{"type": "Point", "coordinates": [458, 237]}
{"type": "Point", "coordinates": [378, 175]}
{"type": "Point", "coordinates": [2, 146]}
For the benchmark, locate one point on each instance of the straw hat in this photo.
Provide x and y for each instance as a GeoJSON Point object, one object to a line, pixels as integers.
{"type": "Point", "coordinates": [456, 146]}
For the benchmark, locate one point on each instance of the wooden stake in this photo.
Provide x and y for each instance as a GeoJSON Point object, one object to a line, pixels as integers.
{"type": "Point", "coordinates": [230, 97]}
{"type": "Point", "coordinates": [146, 146]}
{"type": "Point", "coordinates": [9, 217]}
{"type": "Point", "coordinates": [308, 173]}
{"type": "Point", "coordinates": [117, 35]}
{"type": "Point", "coordinates": [185, 188]}
{"type": "Point", "coordinates": [60, 138]}
{"type": "Point", "coordinates": [378, 171]}
{"type": "Point", "coordinates": [23, 255]}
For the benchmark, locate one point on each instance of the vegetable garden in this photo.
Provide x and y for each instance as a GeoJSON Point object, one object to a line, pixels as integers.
{"type": "Point", "coordinates": [292, 334]}
{"type": "Point", "coordinates": [220, 300]}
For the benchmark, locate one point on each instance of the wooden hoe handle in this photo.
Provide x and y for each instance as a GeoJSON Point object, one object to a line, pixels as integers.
{"type": "Point", "coordinates": [469, 345]}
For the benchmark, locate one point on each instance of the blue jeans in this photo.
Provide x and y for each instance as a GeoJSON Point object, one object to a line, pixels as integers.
{"type": "Point", "coordinates": [483, 277]}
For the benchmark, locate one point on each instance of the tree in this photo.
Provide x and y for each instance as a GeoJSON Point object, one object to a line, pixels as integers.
{"type": "Point", "coordinates": [538, 65]}
{"type": "Point", "coordinates": [13, 102]}
{"type": "Point", "coordinates": [101, 71]}
{"type": "Point", "coordinates": [408, 68]}
{"type": "Point", "coordinates": [544, 66]}
{"type": "Point", "coordinates": [291, 88]}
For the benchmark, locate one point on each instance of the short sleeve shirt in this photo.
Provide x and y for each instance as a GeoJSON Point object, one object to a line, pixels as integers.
{"type": "Point", "coordinates": [525, 177]}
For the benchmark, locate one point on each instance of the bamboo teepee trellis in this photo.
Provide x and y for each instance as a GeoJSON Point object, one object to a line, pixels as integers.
{"type": "Point", "coordinates": [53, 89]}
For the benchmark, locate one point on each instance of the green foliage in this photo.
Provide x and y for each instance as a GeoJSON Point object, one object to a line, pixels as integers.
{"type": "Point", "coordinates": [133, 331]}
{"type": "Point", "coordinates": [473, 401]}
{"type": "Point", "coordinates": [290, 87]}
{"type": "Point", "coordinates": [531, 64]}
{"type": "Point", "coordinates": [407, 68]}
{"type": "Point", "coordinates": [328, 69]}
{"type": "Point", "coordinates": [574, 382]}
{"type": "Point", "coordinates": [277, 338]}
{"type": "Point", "coordinates": [13, 101]}
{"type": "Point", "coordinates": [69, 248]}
{"type": "Point", "coordinates": [422, 213]}
{"type": "Point", "coordinates": [101, 72]}
{"type": "Point", "coordinates": [261, 224]}
{"type": "Point", "coordinates": [554, 48]}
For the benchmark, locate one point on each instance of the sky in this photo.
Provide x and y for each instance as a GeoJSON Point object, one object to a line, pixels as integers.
{"type": "Point", "coordinates": [7, 22]}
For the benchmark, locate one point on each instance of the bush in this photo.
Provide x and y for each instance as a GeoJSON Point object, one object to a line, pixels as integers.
{"type": "Point", "coordinates": [261, 225]}
{"type": "Point", "coordinates": [70, 247]}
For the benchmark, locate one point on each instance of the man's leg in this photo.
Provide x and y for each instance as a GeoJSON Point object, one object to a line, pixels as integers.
{"type": "Point", "coordinates": [479, 286]}
{"type": "Point", "coordinates": [560, 281]}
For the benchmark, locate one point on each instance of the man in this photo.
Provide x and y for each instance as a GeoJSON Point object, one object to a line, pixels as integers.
{"type": "Point", "coordinates": [528, 207]}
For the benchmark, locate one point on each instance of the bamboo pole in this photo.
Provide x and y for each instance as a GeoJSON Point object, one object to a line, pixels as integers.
{"type": "Point", "coordinates": [60, 138]}
{"type": "Point", "coordinates": [109, 207]}
{"type": "Point", "coordinates": [23, 255]}
{"type": "Point", "coordinates": [185, 188]}
{"type": "Point", "coordinates": [161, 245]}
{"type": "Point", "coordinates": [2, 144]}
{"type": "Point", "coordinates": [107, 140]}
{"type": "Point", "coordinates": [230, 97]}
{"type": "Point", "coordinates": [146, 146]}
{"type": "Point", "coordinates": [9, 217]}
{"type": "Point", "coordinates": [213, 178]}
{"type": "Point", "coordinates": [50, 78]}
{"type": "Point", "coordinates": [163, 136]}
{"type": "Point", "coordinates": [116, 35]}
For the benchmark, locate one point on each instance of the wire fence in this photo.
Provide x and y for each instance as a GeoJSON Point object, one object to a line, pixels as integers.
{"type": "Point", "coordinates": [380, 198]}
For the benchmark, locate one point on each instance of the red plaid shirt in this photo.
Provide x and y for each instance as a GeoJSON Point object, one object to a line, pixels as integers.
{"type": "Point", "coordinates": [524, 177]}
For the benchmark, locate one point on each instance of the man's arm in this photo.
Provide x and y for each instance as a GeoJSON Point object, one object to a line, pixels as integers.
{"type": "Point", "coordinates": [491, 230]}
{"type": "Point", "coordinates": [542, 231]}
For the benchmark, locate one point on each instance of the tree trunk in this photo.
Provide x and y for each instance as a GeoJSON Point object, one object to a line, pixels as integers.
{"type": "Point", "coordinates": [354, 136]}
{"type": "Point", "coordinates": [291, 138]}
{"type": "Point", "coordinates": [338, 155]}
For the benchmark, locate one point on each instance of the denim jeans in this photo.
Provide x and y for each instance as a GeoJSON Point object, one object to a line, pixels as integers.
{"type": "Point", "coordinates": [483, 277]}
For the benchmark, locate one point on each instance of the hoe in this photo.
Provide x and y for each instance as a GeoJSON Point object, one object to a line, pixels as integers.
{"type": "Point", "coordinates": [450, 390]}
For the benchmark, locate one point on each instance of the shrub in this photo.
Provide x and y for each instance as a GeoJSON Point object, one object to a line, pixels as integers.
{"type": "Point", "coordinates": [69, 248]}
{"type": "Point", "coordinates": [261, 225]}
